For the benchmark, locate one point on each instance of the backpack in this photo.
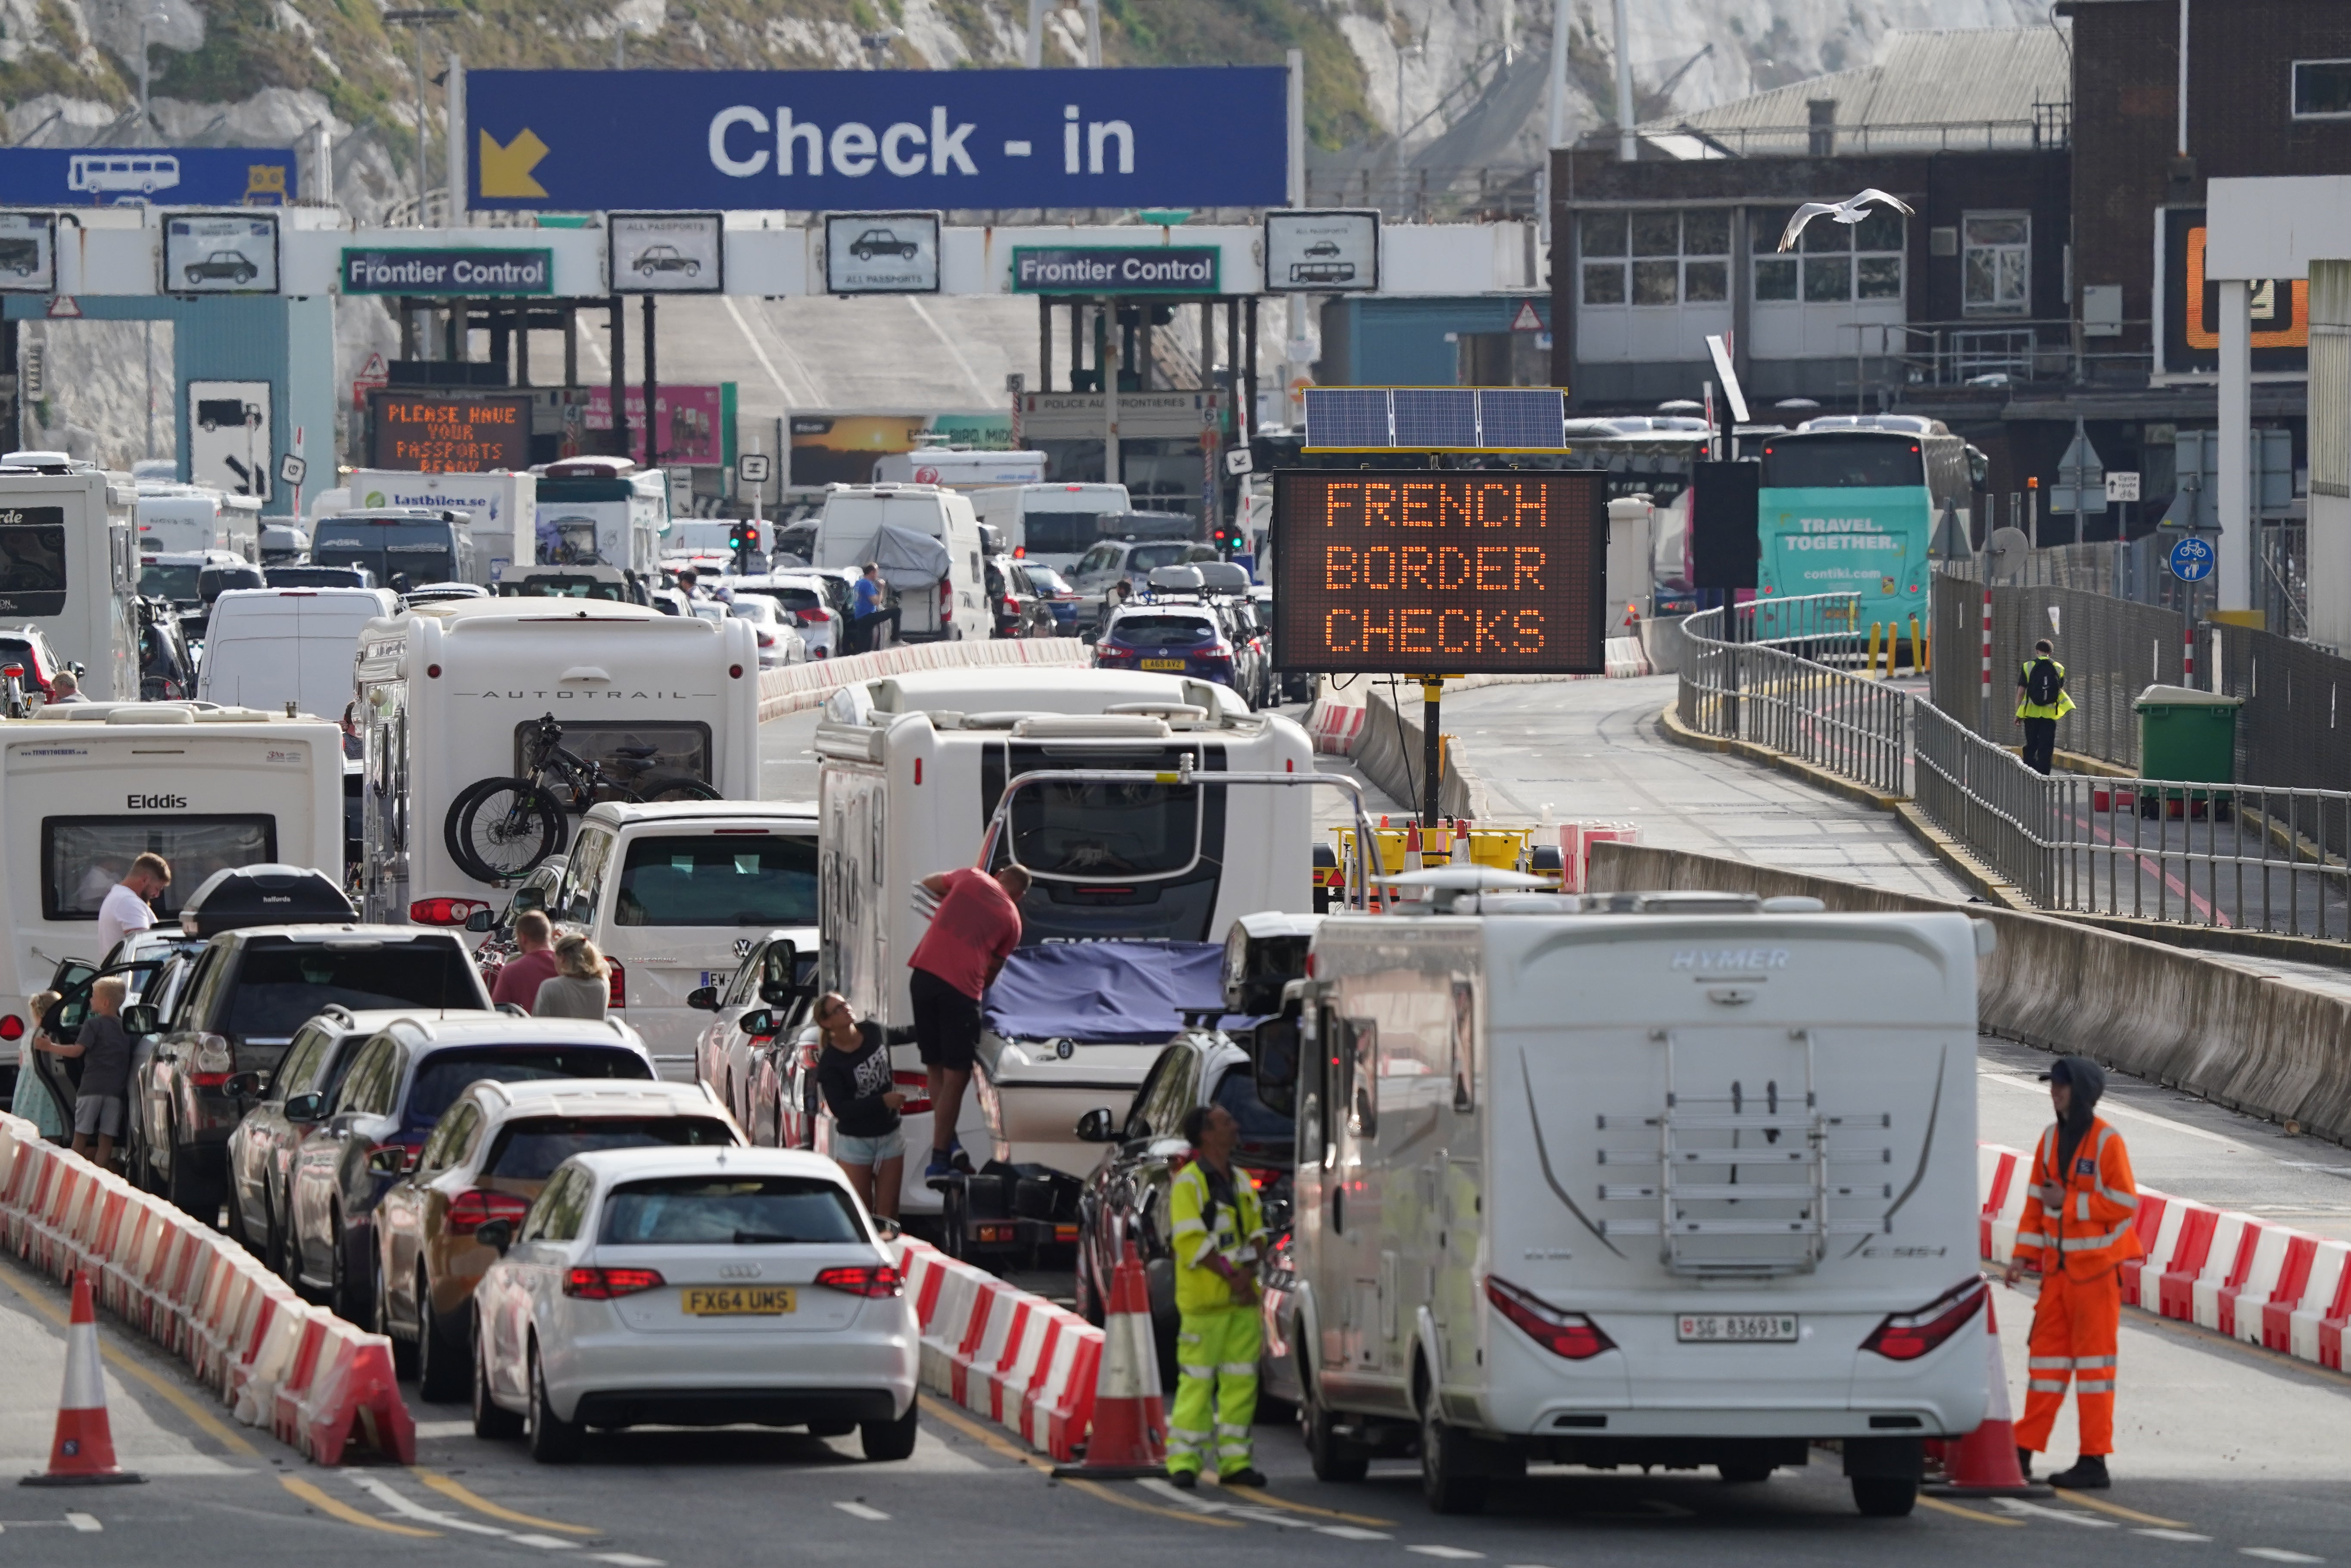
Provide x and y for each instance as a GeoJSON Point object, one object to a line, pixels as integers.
{"type": "Point", "coordinates": [2043, 682]}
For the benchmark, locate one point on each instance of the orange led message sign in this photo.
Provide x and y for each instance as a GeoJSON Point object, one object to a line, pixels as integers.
{"type": "Point", "coordinates": [1440, 573]}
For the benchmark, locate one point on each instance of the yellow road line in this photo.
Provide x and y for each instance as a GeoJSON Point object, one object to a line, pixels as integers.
{"type": "Point", "coordinates": [996, 1443]}
{"type": "Point", "coordinates": [1939, 1506]}
{"type": "Point", "coordinates": [1270, 1500]}
{"type": "Point", "coordinates": [2119, 1512]}
{"type": "Point", "coordinates": [336, 1506]}
{"type": "Point", "coordinates": [450, 1490]}
{"type": "Point", "coordinates": [210, 1423]}
{"type": "Point", "coordinates": [1096, 1488]}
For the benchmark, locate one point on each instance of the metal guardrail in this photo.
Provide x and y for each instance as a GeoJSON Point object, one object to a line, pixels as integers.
{"type": "Point", "coordinates": [1769, 682]}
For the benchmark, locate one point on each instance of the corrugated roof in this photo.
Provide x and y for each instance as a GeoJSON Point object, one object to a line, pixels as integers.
{"type": "Point", "coordinates": [1939, 79]}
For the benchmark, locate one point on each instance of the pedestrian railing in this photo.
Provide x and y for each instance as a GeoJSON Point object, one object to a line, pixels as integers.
{"type": "Point", "coordinates": [1775, 687]}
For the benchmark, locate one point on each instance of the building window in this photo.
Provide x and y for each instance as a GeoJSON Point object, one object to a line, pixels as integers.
{"type": "Point", "coordinates": [1996, 263]}
{"type": "Point", "coordinates": [1667, 257]}
{"type": "Point", "coordinates": [2322, 90]}
{"type": "Point", "coordinates": [1833, 263]}
{"type": "Point", "coordinates": [1602, 234]}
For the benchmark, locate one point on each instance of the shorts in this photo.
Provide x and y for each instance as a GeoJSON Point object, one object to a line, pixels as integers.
{"type": "Point", "coordinates": [946, 1022]}
{"type": "Point", "coordinates": [99, 1116]}
{"type": "Point", "coordinates": [850, 1149]}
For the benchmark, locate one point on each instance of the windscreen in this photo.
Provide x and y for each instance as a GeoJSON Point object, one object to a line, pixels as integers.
{"type": "Point", "coordinates": [316, 578]}
{"type": "Point", "coordinates": [768, 879]}
{"type": "Point", "coordinates": [178, 583]}
{"type": "Point", "coordinates": [1045, 580]}
{"type": "Point", "coordinates": [280, 986]}
{"type": "Point", "coordinates": [421, 551]}
{"type": "Point", "coordinates": [529, 1149]}
{"type": "Point", "coordinates": [1163, 631]}
{"type": "Point", "coordinates": [790, 599]}
{"type": "Point", "coordinates": [445, 1075]}
{"type": "Point", "coordinates": [1147, 558]}
{"type": "Point", "coordinates": [722, 1210]}
{"type": "Point", "coordinates": [1106, 830]}
{"type": "Point", "coordinates": [1059, 532]}
{"type": "Point", "coordinates": [1843, 462]}
{"type": "Point", "coordinates": [1112, 861]}
{"type": "Point", "coordinates": [82, 858]}
{"type": "Point", "coordinates": [32, 561]}
{"type": "Point", "coordinates": [629, 753]}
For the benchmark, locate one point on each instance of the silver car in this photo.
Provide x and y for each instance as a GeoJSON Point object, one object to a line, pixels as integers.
{"type": "Point", "coordinates": [693, 1287]}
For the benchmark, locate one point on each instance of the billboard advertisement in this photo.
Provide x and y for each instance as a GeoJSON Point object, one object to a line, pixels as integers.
{"type": "Point", "coordinates": [1190, 136]}
{"type": "Point", "coordinates": [148, 176]}
{"type": "Point", "coordinates": [698, 422]}
{"type": "Point", "coordinates": [842, 448]}
{"type": "Point", "coordinates": [1440, 573]}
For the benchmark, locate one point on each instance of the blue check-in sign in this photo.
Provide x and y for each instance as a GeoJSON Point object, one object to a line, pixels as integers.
{"type": "Point", "coordinates": [1206, 136]}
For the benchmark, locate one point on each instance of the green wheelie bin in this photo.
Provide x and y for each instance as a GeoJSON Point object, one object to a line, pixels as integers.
{"type": "Point", "coordinates": [2191, 736]}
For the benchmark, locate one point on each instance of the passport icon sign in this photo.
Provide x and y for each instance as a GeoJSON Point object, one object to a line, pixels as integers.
{"type": "Point", "coordinates": [869, 140]}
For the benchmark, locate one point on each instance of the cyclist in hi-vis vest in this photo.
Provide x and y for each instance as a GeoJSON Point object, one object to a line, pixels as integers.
{"type": "Point", "coordinates": [2078, 1230]}
{"type": "Point", "coordinates": [2041, 701]}
{"type": "Point", "coordinates": [1218, 1234]}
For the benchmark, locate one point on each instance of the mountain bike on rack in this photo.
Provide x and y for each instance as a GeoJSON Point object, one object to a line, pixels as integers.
{"type": "Point", "coordinates": [499, 829]}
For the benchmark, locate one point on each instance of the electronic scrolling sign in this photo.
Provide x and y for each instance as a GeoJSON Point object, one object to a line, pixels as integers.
{"type": "Point", "coordinates": [1439, 573]}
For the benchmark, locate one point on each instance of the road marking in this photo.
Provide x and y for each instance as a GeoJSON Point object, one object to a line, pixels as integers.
{"type": "Point", "coordinates": [1352, 1532]}
{"type": "Point", "coordinates": [2277, 1554]}
{"type": "Point", "coordinates": [1096, 1488]}
{"type": "Point", "coordinates": [1270, 1500]}
{"type": "Point", "coordinates": [2172, 1534]}
{"type": "Point", "coordinates": [2119, 1512]}
{"type": "Point", "coordinates": [385, 1494]}
{"type": "Point", "coordinates": [1939, 1506]}
{"type": "Point", "coordinates": [860, 1510]}
{"type": "Point", "coordinates": [430, 1430]}
{"type": "Point", "coordinates": [213, 1426]}
{"type": "Point", "coordinates": [2034, 1510]}
{"type": "Point", "coordinates": [83, 1524]}
{"type": "Point", "coordinates": [1450, 1553]}
{"type": "Point", "coordinates": [309, 1493]}
{"type": "Point", "coordinates": [450, 1490]}
{"type": "Point", "coordinates": [994, 1444]}
{"type": "Point", "coordinates": [626, 1559]}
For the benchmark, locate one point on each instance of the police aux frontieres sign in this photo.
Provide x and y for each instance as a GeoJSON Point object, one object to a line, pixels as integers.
{"type": "Point", "coordinates": [862, 140]}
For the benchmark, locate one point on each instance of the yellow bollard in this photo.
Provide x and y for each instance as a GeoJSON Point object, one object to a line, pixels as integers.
{"type": "Point", "coordinates": [1918, 649]}
{"type": "Point", "coordinates": [1870, 669]}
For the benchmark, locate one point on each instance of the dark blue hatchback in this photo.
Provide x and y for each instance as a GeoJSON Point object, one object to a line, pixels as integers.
{"type": "Point", "coordinates": [1174, 639]}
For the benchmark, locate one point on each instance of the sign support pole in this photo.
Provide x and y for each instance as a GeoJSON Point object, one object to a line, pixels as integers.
{"type": "Point", "coordinates": [1432, 749]}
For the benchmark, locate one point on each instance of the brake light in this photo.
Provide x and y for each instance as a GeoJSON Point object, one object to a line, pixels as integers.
{"type": "Point", "coordinates": [917, 1087]}
{"type": "Point", "coordinates": [443, 911]}
{"type": "Point", "coordinates": [1567, 1333]}
{"type": "Point", "coordinates": [14, 671]}
{"type": "Point", "coordinates": [12, 1028]}
{"type": "Point", "coordinates": [766, 639]}
{"type": "Point", "coordinates": [1906, 1337]}
{"type": "Point", "coordinates": [470, 1210]}
{"type": "Point", "coordinates": [871, 1279]}
{"type": "Point", "coordinates": [815, 617]}
{"type": "Point", "coordinates": [611, 1284]}
{"type": "Point", "coordinates": [619, 979]}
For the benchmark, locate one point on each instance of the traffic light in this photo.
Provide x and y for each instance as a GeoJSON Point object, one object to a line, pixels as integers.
{"type": "Point", "coordinates": [1228, 540]}
{"type": "Point", "coordinates": [743, 539]}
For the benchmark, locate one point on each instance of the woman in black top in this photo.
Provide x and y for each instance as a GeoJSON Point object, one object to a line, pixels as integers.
{"type": "Point", "coordinates": [853, 1072]}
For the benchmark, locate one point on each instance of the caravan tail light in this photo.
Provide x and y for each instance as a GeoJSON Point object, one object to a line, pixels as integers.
{"type": "Point", "coordinates": [917, 1089]}
{"type": "Point", "coordinates": [946, 601]}
{"type": "Point", "coordinates": [12, 1028]}
{"type": "Point", "coordinates": [443, 911]}
{"type": "Point", "coordinates": [619, 979]}
{"type": "Point", "coordinates": [1568, 1334]}
{"type": "Point", "coordinates": [1907, 1336]}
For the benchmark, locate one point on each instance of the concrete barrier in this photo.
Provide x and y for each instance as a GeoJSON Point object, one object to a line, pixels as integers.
{"type": "Point", "coordinates": [2268, 1047]}
{"type": "Point", "coordinates": [801, 686]}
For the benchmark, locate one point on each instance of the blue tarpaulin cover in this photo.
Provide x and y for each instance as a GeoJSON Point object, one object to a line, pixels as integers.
{"type": "Point", "coordinates": [1132, 992]}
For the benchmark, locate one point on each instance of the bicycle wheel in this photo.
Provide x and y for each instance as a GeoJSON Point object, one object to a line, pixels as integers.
{"type": "Point", "coordinates": [674, 786]}
{"type": "Point", "coordinates": [499, 829]}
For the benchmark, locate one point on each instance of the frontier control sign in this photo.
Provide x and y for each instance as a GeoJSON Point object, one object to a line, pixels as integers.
{"type": "Point", "coordinates": [1451, 573]}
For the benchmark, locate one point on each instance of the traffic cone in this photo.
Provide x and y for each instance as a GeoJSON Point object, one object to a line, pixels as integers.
{"type": "Point", "coordinates": [1129, 1438]}
{"type": "Point", "coordinates": [1412, 861]}
{"type": "Point", "coordinates": [1983, 1463]}
{"type": "Point", "coordinates": [83, 1454]}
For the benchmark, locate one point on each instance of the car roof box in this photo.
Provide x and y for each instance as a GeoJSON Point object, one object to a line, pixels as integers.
{"type": "Point", "coordinates": [266, 895]}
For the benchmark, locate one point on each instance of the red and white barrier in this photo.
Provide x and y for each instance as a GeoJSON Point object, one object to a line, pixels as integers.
{"type": "Point", "coordinates": [273, 1359]}
{"type": "Point", "coordinates": [2231, 1273]}
{"type": "Point", "coordinates": [1575, 842]}
{"type": "Point", "coordinates": [1005, 1355]}
{"type": "Point", "coordinates": [1336, 726]}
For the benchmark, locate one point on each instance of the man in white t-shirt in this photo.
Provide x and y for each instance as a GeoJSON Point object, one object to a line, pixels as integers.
{"type": "Point", "coordinates": [126, 907]}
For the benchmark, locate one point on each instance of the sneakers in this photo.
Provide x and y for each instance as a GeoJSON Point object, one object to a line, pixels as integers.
{"type": "Point", "coordinates": [955, 1155]}
{"type": "Point", "coordinates": [2024, 1461]}
{"type": "Point", "coordinates": [2088, 1474]}
{"type": "Point", "coordinates": [941, 1166]}
{"type": "Point", "coordinates": [1247, 1475]}
{"type": "Point", "coordinates": [1187, 1480]}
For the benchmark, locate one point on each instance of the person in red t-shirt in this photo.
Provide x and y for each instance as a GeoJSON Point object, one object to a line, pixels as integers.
{"type": "Point", "coordinates": [976, 928]}
{"type": "Point", "coordinates": [519, 982]}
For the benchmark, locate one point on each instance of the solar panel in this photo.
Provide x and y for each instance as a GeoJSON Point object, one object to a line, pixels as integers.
{"type": "Point", "coordinates": [1436, 417]}
{"type": "Point", "coordinates": [1527, 417]}
{"type": "Point", "coordinates": [1347, 417]}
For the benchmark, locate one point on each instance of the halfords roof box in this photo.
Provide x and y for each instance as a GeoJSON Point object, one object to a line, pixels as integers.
{"type": "Point", "coordinates": [267, 894]}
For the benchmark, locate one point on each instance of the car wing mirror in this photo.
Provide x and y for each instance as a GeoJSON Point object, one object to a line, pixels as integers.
{"type": "Point", "coordinates": [703, 999]}
{"type": "Point", "coordinates": [758, 1024]}
{"type": "Point", "coordinates": [1096, 1126]}
{"type": "Point", "coordinates": [495, 1234]}
{"type": "Point", "coordinates": [305, 1108]}
{"type": "Point", "coordinates": [482, 920]}
{"type": "Point", "coordinates": [526, 899]}
{"type": "Point", "coordinates": [139, 1018]}
{"type": "Point", "coordinates": [244, 1085]}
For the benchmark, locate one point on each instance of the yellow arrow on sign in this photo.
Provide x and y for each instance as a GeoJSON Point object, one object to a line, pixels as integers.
{"type": "Point", "coordinates": [506, 171]}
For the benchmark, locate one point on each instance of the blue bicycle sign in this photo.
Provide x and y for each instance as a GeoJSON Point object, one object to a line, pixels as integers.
{"type": "Point", "coordinates": [2192, 559]}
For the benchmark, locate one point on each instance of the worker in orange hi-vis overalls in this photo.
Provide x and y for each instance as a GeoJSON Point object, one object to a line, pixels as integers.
{"type": "Point", "coordinates": [2078, 1232]}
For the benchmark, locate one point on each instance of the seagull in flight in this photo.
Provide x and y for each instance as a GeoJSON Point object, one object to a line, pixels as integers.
{"type": "Point", "coordinates": [1849, 212]}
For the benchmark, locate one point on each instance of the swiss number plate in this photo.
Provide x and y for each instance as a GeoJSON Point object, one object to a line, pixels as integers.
{"type": "Point", "coordinates": [1736, 1328]}
{"type": "Point", "coordinates": [739, 1301]}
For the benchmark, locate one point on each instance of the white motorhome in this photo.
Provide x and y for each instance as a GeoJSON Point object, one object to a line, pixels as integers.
{"type": "Point", "coordinates": [600, 512]}
{"type": "Point", "coordinates": [69, 567]}
{"type": "Point", "coordinates": [926, 542]}
{"type": "Point", "coordinates": [956, 468]}
{"type": "Point", "coordinates": [1649, 1178]}
{"type": "Point", "coordinates": [496, 507]}
{"type": "Point", "coordinates": [85, 789]}
{"type": "Point", "coordinates": [911, 770]}
{"type": "Point", "coordinates": [178, 519]}
{"type": "Point", "coordinates": [1052, 524]}
{"type": "Point", "coordinates": [450, 693]}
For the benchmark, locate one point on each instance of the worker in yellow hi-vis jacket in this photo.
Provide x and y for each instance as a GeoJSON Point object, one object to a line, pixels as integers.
{"type": "Point", "coordinates": [1217, 1232]}
{"type": "Point", "coordinates": [2041, 701]}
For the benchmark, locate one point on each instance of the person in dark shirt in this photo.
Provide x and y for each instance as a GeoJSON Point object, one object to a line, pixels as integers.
{"type": "Point", "coordinates": [104, 1047]}
{"type": "Point", "coordinates": [853, 1072]}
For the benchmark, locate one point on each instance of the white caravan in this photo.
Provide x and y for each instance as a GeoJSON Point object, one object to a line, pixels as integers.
{"type": "Point", "coordinates": [85, 789]}
{"type": "Point", "coordinates": [265, 648]}
{"type": "Point", "coordinates": [180, 519]}
{"type": "Point", "coordinates": [449, 694]}
{"type": "Point", "coordinates": [952, 468]}
{"type": "Point", "coordinates": [1051, 524]}
{"type": "Point", "coordinates": [600, 512]}
{"type": "Point", "coordinates": [911, 770]}
{"type": "Point", "coordinates": [69, 567]}
{"type": "Point", "coordinates": [495, 507]}
{"type": "Point", "coordinates": [926, 542]}
{"type": "Point", "coordinates": [1651, 1178]}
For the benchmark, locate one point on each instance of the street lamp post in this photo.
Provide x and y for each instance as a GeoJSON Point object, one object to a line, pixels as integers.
{"type": "Point", "coordinates": [416, 21]}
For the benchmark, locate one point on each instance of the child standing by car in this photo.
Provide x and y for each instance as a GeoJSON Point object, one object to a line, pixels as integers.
{"type": "Point", "coordinates": [33, 1100]}
{"type": "Point", "coordinates": [854, 1074]}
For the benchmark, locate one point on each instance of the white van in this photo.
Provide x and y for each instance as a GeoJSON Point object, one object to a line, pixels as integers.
{"type": "Point", "coordinates": [265, 648]}
{"type": "Point", "coordinates": [178, 519]}
{"type": "Point", "coordinates": [911, 769]}
{"type": "Point", "coordinates": [938, 599]}
{"type": "Point", "coordinates": [69, 567]}
{"type": "Point", "coordinates": [953, 468]}
{"type": "Point", "coordinates": [496, 507]}
{"type": "Point", "coordinates": [1051, 524]}
{"type": "Point", "coordinates": [1679, 1178]}
{"type": "Point", "coordinates": [451, 693]}
{"type": "Point", "coordinates": [666, 891]}
{"type": "Point", "coordinates": [87, 788]}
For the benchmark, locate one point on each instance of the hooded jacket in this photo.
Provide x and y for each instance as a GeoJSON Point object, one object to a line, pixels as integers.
{"type": "Point", "coordinates": [2087, 1200]}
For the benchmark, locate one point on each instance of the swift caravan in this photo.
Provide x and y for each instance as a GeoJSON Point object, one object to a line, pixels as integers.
{"type": "Point", "coordinates": [85, 789]}
{"type": "Point", "coordinates": [1673, 1180]}
{"type": "Point", "coordinates": [458, 692]}
{"type": "Point", "coordinates": [69, 568]}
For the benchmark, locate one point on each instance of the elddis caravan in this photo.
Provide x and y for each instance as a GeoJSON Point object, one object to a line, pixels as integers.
{"type": "Point", "coordinates": [1678, 1179]}
{"type": "Point", "coordinates": [85, 789]}
{"type": "Point", "coordinates": [451, 693]}
{"type": "Point", "coordinates": [69, 566]}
